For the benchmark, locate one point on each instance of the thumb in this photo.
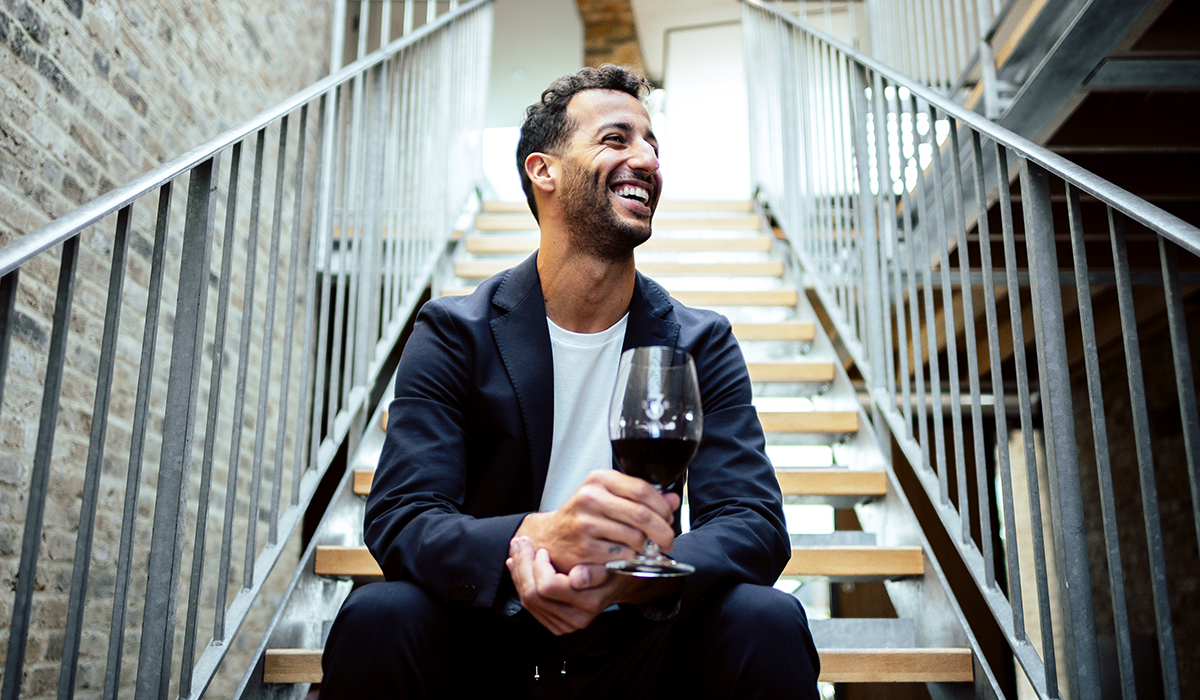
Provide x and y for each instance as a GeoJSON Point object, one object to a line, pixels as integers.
{"type": "Point", "coordinates": [585, 576]}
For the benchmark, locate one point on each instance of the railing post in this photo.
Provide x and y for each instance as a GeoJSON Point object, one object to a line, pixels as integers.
{"type": "Point", "coordinates": [1054, 380]}
{"type": "Point", "coordinates": [868, 239]}
{"type": "Point", "coordinates": [170, 502]}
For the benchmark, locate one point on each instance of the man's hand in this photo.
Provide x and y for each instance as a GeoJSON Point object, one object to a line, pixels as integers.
{"type": "Point", "coordinates": [565, 603]}
{"type": "Point", "coordinates": [609, 517]}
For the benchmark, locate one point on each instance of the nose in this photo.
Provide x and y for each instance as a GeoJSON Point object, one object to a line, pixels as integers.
{"type": "Point", "coordinates": [643, 157]}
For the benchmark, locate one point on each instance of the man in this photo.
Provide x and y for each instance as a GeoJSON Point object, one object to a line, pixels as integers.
{"type": "Point", "coordinates": [495, 505]}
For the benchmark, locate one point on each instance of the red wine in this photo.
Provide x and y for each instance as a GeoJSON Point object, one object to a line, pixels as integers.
{"type": "Point", "coordinates": [661, 461]}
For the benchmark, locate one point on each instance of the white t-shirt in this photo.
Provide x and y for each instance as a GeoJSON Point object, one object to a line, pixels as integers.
{"type": "Point", "coordinates": [585, 372]}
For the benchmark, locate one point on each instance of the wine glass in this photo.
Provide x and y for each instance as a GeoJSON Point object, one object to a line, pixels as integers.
{"type": "Point", "coordinates": [655, 423]}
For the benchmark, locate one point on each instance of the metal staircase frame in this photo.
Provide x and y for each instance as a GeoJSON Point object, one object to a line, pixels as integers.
{"type": "Point", "coordinates": [877, 181]}
{"type": "Point", "coordinates": [372, 166]}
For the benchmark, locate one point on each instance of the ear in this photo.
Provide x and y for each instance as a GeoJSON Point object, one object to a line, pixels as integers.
{"type": "Point", "coordinates": [543, 170]}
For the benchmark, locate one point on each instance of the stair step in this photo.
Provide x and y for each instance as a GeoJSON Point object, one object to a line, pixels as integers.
{"type": "Point", "coordinates": [863, 633]}
{"type": "Point", "coordinates": [526, 222]}
{"type": "Point", "coordinates": [292, 666]}
{"type": "Point", "coordinates": [838, 563]}
{"type": "Point", "coordinates": [486, 267]}
{"type": "Point", "coordinates": [837, 665]}
{"type": "Point", "coordinates": [497, 206]}
{"type": "Point", "coordinates": [809, 485]}
{"type": "Point", "coordinates": [835, 486]}
{"type": "Point", "coordinates": [809, 422]}
{"type": "Point", "coordinates": [837, 538]}
{"type": "Point", "coordinates": [345, 562]}
{"type": "Point", "coordinates": [897, 666]}
{"type": "Point", "coordinates": [861, 563]}
{"type": "Point", "coordinates": [799, 331]}
{"type": "Point", "coordinates": [503, 244]}
{"type": "Point", "coordinates": [783, 372]}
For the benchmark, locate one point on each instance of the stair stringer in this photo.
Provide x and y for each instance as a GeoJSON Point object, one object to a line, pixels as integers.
{"type": "Point", "coordinates": [311, 601]}
{"type": "Point", "coordinates": [936, 616]}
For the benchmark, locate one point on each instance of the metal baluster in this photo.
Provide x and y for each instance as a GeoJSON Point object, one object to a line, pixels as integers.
{"type": "Point", "coordinates": [39, 479]}
{"type": "Point", "coordinates": [970, 341]}
{"type": "Point", "coordinates": [885, 206]}
{"type": "Point", "coordinates": [137, 444]}
{"type": "Point", "coordinates": [285, 401]}
{"type": "Point", "coordinates": [1141, 433]}
{"type": "Point", "coordinates": [1001, 418]}
{"type": "Point", "coordinates": [306, 430]}
{"type": "Point", "coordinates": [95, 458]}
{"type": "Point", "coordinates": [268, 344]}
{"type": "Point", "coordinates": [179, 419]}
{"type": "Point", "coordinates": [1037, 529]}
{"type": "Point", "coordinates": [196, 580]}
{"type": "Point", "coordinates": [911, 246]}
{"type": "Point", "coordinates": [935, 379]}
{"type": "Point", "coordinates": [1108, 508]}
{"type": "Point", "coordinates": [951, 329]}
{"type": "Point", "coordinates": [902, 337]}
{"type": "Point", "coordinates": [1184, 379]}
{"type": "Point", "coordinates": [1054, 383]}
{"type": "Point", "coordinates": [239, 401]}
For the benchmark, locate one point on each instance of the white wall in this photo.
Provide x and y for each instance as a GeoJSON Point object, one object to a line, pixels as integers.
{"type": "Point", "coordinates": [704, 138]}
{"type": "Point", "coordinates": [533, 42]}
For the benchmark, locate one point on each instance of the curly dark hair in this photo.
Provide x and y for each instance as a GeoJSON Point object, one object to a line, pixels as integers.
{"type": "Point", "coordinates": [546, 128]}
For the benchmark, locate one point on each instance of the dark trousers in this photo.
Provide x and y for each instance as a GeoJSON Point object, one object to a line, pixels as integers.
{"type": "Point", "coordinates": [392, 640]}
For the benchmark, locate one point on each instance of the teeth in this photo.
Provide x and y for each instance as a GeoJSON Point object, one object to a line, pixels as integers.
{"type": "Point", "coordinates": [634, 192]}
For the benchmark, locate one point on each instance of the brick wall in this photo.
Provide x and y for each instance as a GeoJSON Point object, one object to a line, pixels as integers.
{"type": "Point", "coordinates": [91, 95]}
{"type": "Point", "coordinates": [609, 33]}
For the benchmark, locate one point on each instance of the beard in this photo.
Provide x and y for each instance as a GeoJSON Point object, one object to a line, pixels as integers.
{"type": "Point", "coordinates": [594, 228]}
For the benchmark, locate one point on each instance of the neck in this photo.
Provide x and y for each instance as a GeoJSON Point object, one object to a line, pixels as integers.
{"type": "Point", "coordinates": [583, 293]}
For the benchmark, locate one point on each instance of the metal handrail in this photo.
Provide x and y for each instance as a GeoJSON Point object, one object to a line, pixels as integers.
{"type": "Point", "coordinates": [877, 179]}
{"type": "Point", "coordinates": [354, 185]}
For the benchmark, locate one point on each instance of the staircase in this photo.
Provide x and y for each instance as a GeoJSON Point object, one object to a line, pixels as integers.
{"type": "Point", "coordinates": [718, 255]}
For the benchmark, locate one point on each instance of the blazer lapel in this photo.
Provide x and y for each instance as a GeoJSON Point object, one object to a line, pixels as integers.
{"type": "Point", "coordinates": [523, 341]}
{"type": "Point", "coordinates": [648, 324]}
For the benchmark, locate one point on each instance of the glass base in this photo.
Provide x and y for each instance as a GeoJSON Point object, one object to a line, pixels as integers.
{"type": "Point", "coordinates": [648, 567]}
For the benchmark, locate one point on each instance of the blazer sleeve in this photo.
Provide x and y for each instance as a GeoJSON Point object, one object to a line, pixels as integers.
{"type": "Point", "coordinates": [738, 533]}
{"type": "Point", "coordinates": [416, 525]}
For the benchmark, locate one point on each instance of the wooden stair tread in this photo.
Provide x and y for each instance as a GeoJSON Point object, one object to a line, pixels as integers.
{"type": "Point", "coordinates": [794, 481]}
{"type": "Point", "coordinates": [841, 562]}
{"type": "Point", "coordinates": [805, 372]}
{"type": "Point", "coordinates": [809, 422]}
{"type": "Point", "coordinates": [933, 665]}
{"type": "Point", "coordinates": [868, 562]}
{"type": "Point", "coordinates": [800, 331]}
{"type": "Point", "coordinates": [486, 267]}
{"type": "Point", "coordinates": [832, 481]}
{"type": "Point", "coordinates": [500, 244]}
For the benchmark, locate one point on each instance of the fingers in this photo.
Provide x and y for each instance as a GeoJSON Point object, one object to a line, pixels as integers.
{"type": "Point", "coordinates": [632, 510]}
{"type": "Point", "coordinates": [547, 594]}
{"type": "Point", "coordinates": [585, 576]}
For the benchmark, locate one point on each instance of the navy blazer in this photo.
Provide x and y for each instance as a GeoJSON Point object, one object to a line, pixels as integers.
{"type": "Point", "coordinates": [469, 433]}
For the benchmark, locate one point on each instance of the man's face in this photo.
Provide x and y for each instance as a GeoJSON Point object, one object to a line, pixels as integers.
{"type": "Point", "coordinates": [610, 178]}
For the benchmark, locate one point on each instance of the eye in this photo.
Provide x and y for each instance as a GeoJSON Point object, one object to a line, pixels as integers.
{"type": "Point", "coordinates": [614, 138]}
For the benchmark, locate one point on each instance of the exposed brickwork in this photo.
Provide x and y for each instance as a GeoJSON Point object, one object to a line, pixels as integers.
{"type": "Point", "coordinates": [609, 33]}
{"type": "Point", "coordinates": [91, 95]}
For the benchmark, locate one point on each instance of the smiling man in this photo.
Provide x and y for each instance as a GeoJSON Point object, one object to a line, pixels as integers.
{"type": "Point", "coordinates": [495, 505]}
